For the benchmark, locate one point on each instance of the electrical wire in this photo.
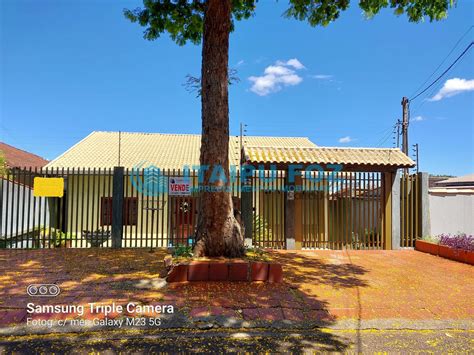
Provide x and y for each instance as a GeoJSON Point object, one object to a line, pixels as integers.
{"type": "Point", "coordinates": [443, 73]}
{"type": "Point", "coordinates": [431, 94]}
{"type": "Point", "coordinates": [444, 60]}
{"type": "Point", "coordinates": [387, 136]}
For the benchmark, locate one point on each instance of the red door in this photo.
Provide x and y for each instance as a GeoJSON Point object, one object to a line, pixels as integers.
{"type": "Point", "coordinates": [184, 219]}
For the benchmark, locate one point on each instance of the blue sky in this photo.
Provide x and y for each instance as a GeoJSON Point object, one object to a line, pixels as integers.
{"type": "Point", "coordinates": [68, 68]}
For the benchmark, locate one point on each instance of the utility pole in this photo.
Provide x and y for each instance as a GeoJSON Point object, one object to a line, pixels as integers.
{"type": "Point", "coordinates": [405, 104]}
{"type": "Point", "coordinates": [405, 122]}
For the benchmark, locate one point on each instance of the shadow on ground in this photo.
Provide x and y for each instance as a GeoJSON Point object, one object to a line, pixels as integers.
{"type": "Point", "coordinates": [132, 275]}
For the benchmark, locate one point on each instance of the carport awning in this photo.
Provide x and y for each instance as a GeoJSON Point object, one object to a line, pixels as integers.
{"type": "Point", "coordinates": [390, 158]}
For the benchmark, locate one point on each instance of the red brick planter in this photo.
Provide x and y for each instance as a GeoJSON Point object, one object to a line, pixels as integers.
{"type": "Point", "coordinates": [238, 270]}
{"type": "Point", "coordinates": [218, 271]}
{"type": "Point", "coordinates": [446, 252]}
{"type": "Point", "coordinates": [198, 271]}
{"type": "Point", "coordinates": [259, 271]}
{"type": "Point", "coordinates": [464, 256]}
{"type": "Point", "coordinates": [178, 273]}
{"type": "Point", "coordinates": [427, 247]}
{"type": "Point", "coordinates": [453, 254]}
{"type": "Point", "coordinates": [275, 273]}
{"type": "Point", "coordinates": [469, 257]}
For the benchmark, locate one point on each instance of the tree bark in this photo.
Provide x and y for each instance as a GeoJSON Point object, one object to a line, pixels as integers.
{"type": "Point", "coordinates": [218, 233]}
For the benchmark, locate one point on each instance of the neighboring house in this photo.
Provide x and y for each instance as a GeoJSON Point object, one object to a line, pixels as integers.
{"type": "Point", "coordinates": [16, 195]}
{"type": "Point", "coordinates": [452, 205]}
{"type": "Point", "coordinates": [434, 179]}
{"type": "Point", "coordinates": [18, 158]}
{"type": "Point", "coordinates": [333, 217]}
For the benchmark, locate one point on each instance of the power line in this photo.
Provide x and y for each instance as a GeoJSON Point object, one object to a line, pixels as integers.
{"type": "Point", "coordinates": [444, 60]}
{"type": "Point", "coordinates": [435, 88]}
{"type": "Point", "coordinates": [443, 73]}
{"type": "Point", "coordinates": [387, 136]}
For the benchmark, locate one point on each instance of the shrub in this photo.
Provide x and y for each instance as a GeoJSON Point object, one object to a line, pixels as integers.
{"type": "Point", "coordinates": [457, 241]}
{"type": "Point", "coordinates": [431, 238]}
{"type": "Point", "coordinates": [183, 251]}
{"type": "Point", "coordinates": [256, 254]}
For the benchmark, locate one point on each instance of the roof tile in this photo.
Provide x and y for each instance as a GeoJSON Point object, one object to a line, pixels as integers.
{"type": "Point", "coordinates": [166, 151]}
{"type": "Point", "coordinates": [328, 155]}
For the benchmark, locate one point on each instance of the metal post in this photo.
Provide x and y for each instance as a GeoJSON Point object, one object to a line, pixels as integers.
{"type": "Point", "coordinates": [246, 207]}
{"type": "Point", "coordinates": [117, 207]}
{"type": "Point", "coordinates": [405, 122]}
{"type": "Point", "coordinates": [424, 208]}
{"type": "Point", "coordinates": [387, 183]}
{"type": "Point", "coordinates": [290, 215]}
{"type": "Point", "coordinates": [396, 244]}
{"type": "Point", "coordinates": [398, 133]}
{"type": "Point", "coordinates": [415, 148]}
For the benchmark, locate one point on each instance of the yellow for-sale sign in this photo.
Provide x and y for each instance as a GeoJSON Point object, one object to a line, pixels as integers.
{"type": "Point", "coordinates": [48, 187]}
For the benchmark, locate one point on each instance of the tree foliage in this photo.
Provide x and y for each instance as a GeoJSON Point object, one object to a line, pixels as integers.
{"type": "Point", "coordinates": [193, 83]}
{"type": "Point", "coordinates": [183, 20]}
{"type": "Point", "coordinates": [3, 165]}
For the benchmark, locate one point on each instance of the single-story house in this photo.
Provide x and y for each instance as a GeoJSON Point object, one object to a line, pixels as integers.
{"type": "Point", "coordinates": [348, 205]}
{"type": "Point", "coordinates": [16, 190]}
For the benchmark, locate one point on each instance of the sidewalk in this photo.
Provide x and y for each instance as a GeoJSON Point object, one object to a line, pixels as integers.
{"type": "Point", "coordinates": [328, 289]}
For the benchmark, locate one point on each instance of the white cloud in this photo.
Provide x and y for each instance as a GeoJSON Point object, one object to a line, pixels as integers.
{"type": "Point", "coordinates": [278, 70]}
{"type": "Point", "coordinates": [295, 63]}
{"type": "Point", "coordinates": [453, 87]}
{"type": "Point", "coordinates": [418, 118]}
{"type": "Point", "coordinates": [345, 139]}
{"type": "Point", "coordinates": [277, 76]}
{"type": "Point", "coordinates": [322, 76]}
{"type": "Point", "coordinates": [240, 62]}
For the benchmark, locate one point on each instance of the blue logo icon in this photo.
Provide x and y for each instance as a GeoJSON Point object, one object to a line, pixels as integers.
{"type": "Point", "coordinates": [148, 180]}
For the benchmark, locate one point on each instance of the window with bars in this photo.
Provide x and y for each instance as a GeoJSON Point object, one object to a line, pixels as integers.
{"type": "Point", "coordinates": [130, 211]}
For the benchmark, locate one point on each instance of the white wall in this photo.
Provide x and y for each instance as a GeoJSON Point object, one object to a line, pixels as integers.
{"type": "Point", "coordinates": [451, 213]}
{"type": "Point", "coordinates": [17, 204]}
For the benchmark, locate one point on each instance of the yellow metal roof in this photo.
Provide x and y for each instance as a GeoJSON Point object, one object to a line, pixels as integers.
{"type": "Point", "coordinates": [390, 157]}
{"type": "Point", "coordinates": [166, 151]}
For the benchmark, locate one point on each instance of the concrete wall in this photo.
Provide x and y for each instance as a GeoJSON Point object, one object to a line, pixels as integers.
{"type": "Point", "coordinates": [451, 213]}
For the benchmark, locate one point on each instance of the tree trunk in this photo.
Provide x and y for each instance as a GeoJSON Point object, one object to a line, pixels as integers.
{"type": "Point", "coordinates": [218, 233]}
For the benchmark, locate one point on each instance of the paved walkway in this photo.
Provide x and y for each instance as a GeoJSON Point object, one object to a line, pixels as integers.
{"type": "Point", "coordinates": [330, 289]}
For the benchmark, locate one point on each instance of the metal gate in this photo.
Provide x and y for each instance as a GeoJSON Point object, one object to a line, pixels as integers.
{"type": "Point", "coordinates": [341, 210]}
{"type": "Point", "coordinates": [410, 226]}
{"type": "Point", "coordinates": [268, 210]}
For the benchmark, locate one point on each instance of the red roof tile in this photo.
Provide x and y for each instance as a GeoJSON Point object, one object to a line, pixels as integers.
{"type": "Point", "coordinates": [17, 158]}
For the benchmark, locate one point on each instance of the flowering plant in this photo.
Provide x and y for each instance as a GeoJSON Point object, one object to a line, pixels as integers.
{"type": "Point", "coordinates": [457, 241]}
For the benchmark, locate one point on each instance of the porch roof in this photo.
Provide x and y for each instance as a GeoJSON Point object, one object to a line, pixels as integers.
{"type": "Point", "coordinates": [350, 158]}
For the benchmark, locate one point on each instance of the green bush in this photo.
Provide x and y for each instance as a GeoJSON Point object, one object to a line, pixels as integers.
{"type": "Point", "coordinates": [183, 251]}
{"type": "Point", "coordinates": [256, 253]}
{"type": "Point", "coordinates": [261, 228]}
